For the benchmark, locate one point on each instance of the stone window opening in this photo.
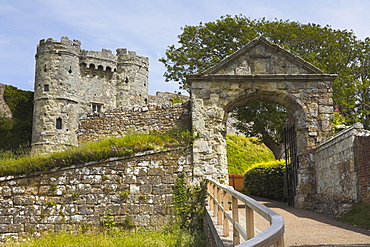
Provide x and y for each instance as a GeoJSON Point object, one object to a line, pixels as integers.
{"type": "Point", "coordinates": [59, 123]}
{"type": "Point", "coordinates": [70, 69]}
{"type": "Point", "coordinates": [92, 70]}
{"type": "Point", "coordinates": [83, 67]}
{"type": "Point", "coordinates": [126, 80]}
{"type": "Point", "coordinates": [96, 108]}
{"type": "Point", "coordinates": [108, 73]}
{"type": "Point", "coordinates": [46, 88]}
{"type": "Point", "coordinates": [100, 71]}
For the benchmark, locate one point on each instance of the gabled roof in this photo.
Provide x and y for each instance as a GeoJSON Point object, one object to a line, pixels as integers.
{"type": "Point", "coordinates": [263, 41]}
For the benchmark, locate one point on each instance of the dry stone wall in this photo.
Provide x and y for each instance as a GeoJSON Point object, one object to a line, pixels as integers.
{"type": "Point", "coordinates": [337, 171]}
{"type": "Point", "coordinates": [140, 119]}
{"type": "Point", "coordinates": [79, 196]}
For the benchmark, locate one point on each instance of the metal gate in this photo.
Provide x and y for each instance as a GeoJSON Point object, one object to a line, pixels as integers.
{"type": "Point", "coordinates": [291, 161]}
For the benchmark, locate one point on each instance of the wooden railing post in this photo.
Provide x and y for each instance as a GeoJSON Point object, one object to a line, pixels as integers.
{"type": "Point", "coordinates": [219, 197]}
{"type": "Point", "coordinates": [249, 219]}
{"type": "Point", "coordinates": [225, 204]}
{"type": "Point", "coordinates": [219, 200]}
{"type": "Point", "coordinates": [235, 213]}
{"type": "Point", "coordinates": [215, 208]}
{"type": "Point", "coordinates": [280, 243]}
{"type": "Point", "coordinates": [210, 192]}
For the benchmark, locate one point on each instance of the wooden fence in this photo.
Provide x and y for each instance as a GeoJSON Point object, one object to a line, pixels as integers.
{"type": "Point", "coordinates": [219, 198]}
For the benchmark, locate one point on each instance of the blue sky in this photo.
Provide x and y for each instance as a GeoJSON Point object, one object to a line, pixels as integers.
{"type": "Point", "coordinates": [145, 26]}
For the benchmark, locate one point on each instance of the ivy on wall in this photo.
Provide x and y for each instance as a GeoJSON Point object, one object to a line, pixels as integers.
{"type": "Point", "coordinates": [188, 204]}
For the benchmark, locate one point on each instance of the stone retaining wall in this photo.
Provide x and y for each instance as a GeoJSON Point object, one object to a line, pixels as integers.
{"type": "Point", "coordinates": [140, 119]}
{"type": "Point", "coordinates": [336, 172]}
{"type": "Point", "coordinates": [80, 196]}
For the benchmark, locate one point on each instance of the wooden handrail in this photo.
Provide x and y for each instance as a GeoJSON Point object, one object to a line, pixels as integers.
{"type": "Point", "coordinates": [218, 199]}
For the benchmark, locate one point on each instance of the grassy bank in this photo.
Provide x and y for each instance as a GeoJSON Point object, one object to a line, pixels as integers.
{"type": "Point", "coordinates": [139, 237]}
{"type": "Point", "coordinates": [94, 151]}
{"type": "Point", "coordinates": [243, 152]}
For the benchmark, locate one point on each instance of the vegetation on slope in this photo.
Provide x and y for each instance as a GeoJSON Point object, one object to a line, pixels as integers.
{"type": "Point", "coordinates": [243, 152]}
{"type": "Point", "coordinates": [139, 237]}
{"type": "Point", "coordinates": [359, 215]}
{"type": "Point", "coordinates": [95, 151]}
{"type": "Point", "coordinates": [16, 131]}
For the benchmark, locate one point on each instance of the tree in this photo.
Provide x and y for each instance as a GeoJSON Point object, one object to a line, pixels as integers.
{"type": "Point", "coordinates": [333, 51]}
{"type": "Point", "coordinates": [264, 120]}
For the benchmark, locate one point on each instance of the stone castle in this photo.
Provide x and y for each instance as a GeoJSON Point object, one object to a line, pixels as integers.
{"type": "Point", "coordinates": [71, 83]}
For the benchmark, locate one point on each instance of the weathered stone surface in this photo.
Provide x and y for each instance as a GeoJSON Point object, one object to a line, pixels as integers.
{"type": "Point", "coordinates": [71, 83]}
{"type": "Point", "coordinates": [337, 177]}
{"type": "Point", "coordinates": [87, 191]}
{"type": "Point", "coordinates": [260, 71]}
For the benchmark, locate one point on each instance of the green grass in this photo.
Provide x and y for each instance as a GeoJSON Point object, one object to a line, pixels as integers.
{"type": "Point", "coordinates": [95, 151]}
{"type": "Point", "coordinates": [243, 152]}
{"type": "Point", "coordinates": [359, 215]}
{"type": "Point", "coordinates": [140, 237]}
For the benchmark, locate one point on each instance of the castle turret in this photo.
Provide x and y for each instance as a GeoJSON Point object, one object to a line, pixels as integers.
{"type": "Point", "coordinates": [55, 117]}
{"type": "Point", "coordinates": [132, 85]}
{"type": "Point", "coordinates": [71, 83]}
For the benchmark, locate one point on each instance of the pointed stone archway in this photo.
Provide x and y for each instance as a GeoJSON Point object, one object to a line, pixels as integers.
{"type": "Point", "coordinates": [260, 71]}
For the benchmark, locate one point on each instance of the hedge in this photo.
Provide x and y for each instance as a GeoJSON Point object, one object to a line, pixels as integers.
{"type": "Point", "coordinates": [266, 179]}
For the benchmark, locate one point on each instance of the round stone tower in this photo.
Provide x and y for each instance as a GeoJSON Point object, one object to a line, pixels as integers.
{"type": "Point", "coordinates": [55, 117]}
{"type": "Point", "coordinates": [132, 85]}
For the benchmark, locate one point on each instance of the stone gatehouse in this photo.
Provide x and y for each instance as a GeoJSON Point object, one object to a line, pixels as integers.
{"type": "Point", "coordinates": [261, 71]}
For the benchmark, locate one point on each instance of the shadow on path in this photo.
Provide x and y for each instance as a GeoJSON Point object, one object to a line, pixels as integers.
{"type": "Point", "coordinates": [307, 228]}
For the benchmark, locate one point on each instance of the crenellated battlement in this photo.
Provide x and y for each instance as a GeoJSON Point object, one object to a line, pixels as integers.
{"type": "Point", "coordinates": [104, 54]}
{"type": "Point", "coordinates": [64, 44]}
{"type": "Point", "coordinates": [71, 83]}
{"type": "Point", "coordinates": [130, 57]}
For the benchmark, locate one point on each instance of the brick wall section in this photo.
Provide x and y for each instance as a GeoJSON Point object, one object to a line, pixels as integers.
{"type": "Point", "coordinates": [71, 197]}
{"type": "Point", "coordinates": [140, 119]}
{"type": "Point", "coordinates": [362, 149]}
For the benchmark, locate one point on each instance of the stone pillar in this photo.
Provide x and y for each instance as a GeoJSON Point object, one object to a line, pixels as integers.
{"type": "Point", "coordinates": [209, 148]}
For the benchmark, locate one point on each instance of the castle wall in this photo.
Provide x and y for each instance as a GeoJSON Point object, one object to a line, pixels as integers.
{"type": "Point", "coordinates": [336, 169]}
{"type": "Point", "coordinates": [79, 196]}
{"type": "Point", "coordinates": [140, 119]}
{"type": "Point", "coordinates": [71, 83]}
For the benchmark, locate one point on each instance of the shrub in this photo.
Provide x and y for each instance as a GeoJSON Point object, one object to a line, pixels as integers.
{"type": "Point", "coordinates": [266, 179]}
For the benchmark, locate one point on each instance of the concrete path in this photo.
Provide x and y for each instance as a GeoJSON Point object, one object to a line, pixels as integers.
{"type": "Point", "coordinates": [306, 228]}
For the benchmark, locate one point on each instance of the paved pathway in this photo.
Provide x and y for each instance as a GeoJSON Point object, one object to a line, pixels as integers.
{"type": "Point", "coordinates": [306, 228]}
